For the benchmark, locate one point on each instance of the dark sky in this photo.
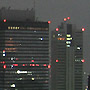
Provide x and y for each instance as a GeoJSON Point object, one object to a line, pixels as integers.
{"type": "Point", "coordinates": [56, 10]}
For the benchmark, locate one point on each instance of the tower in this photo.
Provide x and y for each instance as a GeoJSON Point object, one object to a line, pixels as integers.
{"type": "Point", "coordinates": [67, 58]}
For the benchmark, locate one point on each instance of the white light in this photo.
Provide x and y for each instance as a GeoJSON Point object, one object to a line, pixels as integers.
{"type": "Point", "coordinates": [69, 38]}
{"type": "Point", "coordinates": [59, 34]}
{"type": "Point", "coordinates": [13, 85]}
{"type": "Point", "coordinates": [68, 45]}
{"type": "Point", "coordinates": [12, 58]}
{"type": "Point", "coordinates": [18, 71]}
{"type": "Point", "coordinates": [4, 55]}
{"type": "Point", "coordinates": [68, 35]}
{"type": "Point", "coordinates": [78, 48]}
{"type": "Point", "coordinates": [32, 78]}
{"type": "Point", "coordinates": [68, 42]}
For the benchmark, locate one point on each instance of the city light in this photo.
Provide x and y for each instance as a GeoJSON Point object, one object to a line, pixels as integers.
{"type": "Point", "coordinates": [68, 18]}
{"type": "Point", "coordinates": [49, 22]}
{"type": "Point", "coordinates": [57, 29]}
{"type": "Point", "coordinates": [83, 29]}
{"type": "Point", "coordinates": [83, 60]}
{"type": "Point", "coordinates": [57, 60]}
{"type": "Point", "coordinates": [65, 19]}
{"type": "Point", "coordinates": [4, 20]}
{"type": "Point", "coordinates": [49, 66]}
{"type": "Point", "coordinates": [4, 66]}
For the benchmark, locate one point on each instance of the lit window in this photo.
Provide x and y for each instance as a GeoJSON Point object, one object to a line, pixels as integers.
{"type": "Point", "coordinates": [13, 85]}
{"type": "Point", "coordinates": [4, 55]}
{"type": "Point", "coordinates": [78, 48]}
{"type": "Point", "coordinates": [59, 34]}
{"type": "Point", "coordinates": [68, 18]}
{"type": "Point", "coordinates": [69, 38]}
{"type": "Point", "coordinates": [44, 65]}
{"type": "Point", "coordinates": [33, 78]}
{"type": "Point", "coordinates": [32, 61]}
{"type": "Point", "coordinates": [8, 27]}
{"type": "Point", "coordinates": [68, 35]}
{"type": "Point", "coordinates": [68, 42]}
{"type": "Point", "coordinates": [68, 45]}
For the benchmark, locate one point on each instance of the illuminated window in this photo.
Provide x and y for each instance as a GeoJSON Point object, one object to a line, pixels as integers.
{"type": "Point", "coordinates": [69, 38]}
{"type": "Point", "coordinates": [4, 55]}
{"type": "Point", "coordinates": [44, 65]}
{"type": "Point", "coordinates": [68, 35]}
{"type": "Point", "coordinates": [61, 38]}
{"type": "Point", "coordinates": [68, 42]}
{"type": "Point", "coordinates": [68, 45]}
{"type": "Point", "coordinates": [13, 85]}
{"type": "Point", "coordinates": [78, 48]}
{"type": "Point", "coordinates": [9, 28]}
{"type": "Point", "coordinates": [59, 34]}
{"type": "Point", "coordinates": [32, 61]}
{"type": "Point", "coordinates": [33, 78]}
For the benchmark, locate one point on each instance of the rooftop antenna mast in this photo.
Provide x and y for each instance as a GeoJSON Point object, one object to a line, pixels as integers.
{"type": "Point", "coordinates": [34, 8]}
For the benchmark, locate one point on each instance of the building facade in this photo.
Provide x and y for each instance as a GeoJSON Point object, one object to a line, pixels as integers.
{"type": "Point", "coordinates": [24, 55]}
{"type": "Point", "coordinates": [67, 58]}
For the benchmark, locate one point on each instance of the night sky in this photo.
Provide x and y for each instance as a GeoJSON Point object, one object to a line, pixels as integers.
{"type": "Point", "coordinates": [56, 10]}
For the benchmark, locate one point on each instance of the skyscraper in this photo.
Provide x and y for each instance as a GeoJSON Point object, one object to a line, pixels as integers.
{"type": "Point", "coordinates": [24, 55]}
{"type": "Point", "coordinates": [67, 58]}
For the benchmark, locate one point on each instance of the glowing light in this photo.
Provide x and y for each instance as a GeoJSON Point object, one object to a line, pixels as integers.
{"type": "Point", "coordinates": [33, 78]}
{"type": "Point", "coordinates": [83, 60]}
{"type": "Point", "coordinates": [16, 58]}
{"type": "Point", "coordinates": [68, 45]}
{"type": "Point", "coordinates": [49, 66]}
{"type": "Point", "coordinates": [33, 64]}
{"type": "Point", "coordinates": [61, 38]}
{"type": "Point", "coordinates": [57, 29]}
{"type": "Point", "coordinates": [49, 22]}
{"type": "Point", "coordinates": [37, 64]}
{"type": "Point", "coordinates": [23, 64]}
{"type": "Point", "coordinates": [44, 65]}
{"type": "Point", "coordinates": [13, 85]}
{"type": "Point", "coordinates": [4, 66]}
{"type": "Point", "coordinates": [65, 19]}
{"type": "Point", "coordinates": [4, 55]}
{"type": "Point", "coordinates": [3, 51]}
{"type": "Point", "coordinates": [32, 61]}
{"type": "Point", "coordinates": [15, 64]}
{"type": "Point", "coordinates": [57, 60]}
{"type": "Point", "coordinates": [83, 29]}
{"type": "Point", "coordinates": [68, 18]}
{"type": "Point", "coordinates": [68, 35]}
{"type": "Point", "coordinates": [4, 20]}
{"type": "Point", "coordinates": [3, 62]}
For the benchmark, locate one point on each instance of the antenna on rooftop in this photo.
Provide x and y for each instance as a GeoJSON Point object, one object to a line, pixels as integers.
{"type": "Point", "coordinates": [34, 8]}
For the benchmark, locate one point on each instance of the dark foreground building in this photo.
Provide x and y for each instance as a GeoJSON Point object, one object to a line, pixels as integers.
{"type": "Point", "coordinates": [67, 58]}
{"type": "Point", "coordinates": [24, 55]}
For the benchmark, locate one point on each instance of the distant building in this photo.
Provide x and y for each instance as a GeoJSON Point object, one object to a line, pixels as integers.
{"type": "Point", "coordinates": [67, 58]}
{"type": "Point", "coordinates": [24, 53]}
{"type": "Point", "coordinates": [89, 82]}
{"type": "Point", "coordinates": [17, 15]}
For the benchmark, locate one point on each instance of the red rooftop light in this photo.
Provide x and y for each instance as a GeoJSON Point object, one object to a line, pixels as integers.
{"type": "Point", "coordinates": [49, 22]}
{"type": "Point", "coordinates": [49, 66]}
{"type": "Point", "coordinates": [57, 29]}
{"type": "Point", "coordinates": [65, 19]}
{"type": "Point", "coordinates": [4, 20]}
{"type": "Point", "coordinates": [57, 60]}
{"type": "Point", "coordinates": [83, 29]}
{"type": "Point", "coordinates": [83, 60]}
{"type": "Point", "coordinates": [68, 18]}
{"type": "Point", "coordinates": [4, 66]}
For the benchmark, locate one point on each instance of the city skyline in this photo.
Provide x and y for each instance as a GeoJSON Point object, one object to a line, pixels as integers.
{"type": "Point", "coordinates": [55, 11]}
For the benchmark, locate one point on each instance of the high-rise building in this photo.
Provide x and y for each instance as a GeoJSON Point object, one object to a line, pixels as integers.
{"type": "Point", "coordinates": [88, 82]}
{"type": "Point", "coordinates": [67, 58]}
{"type": "Point", "coordinates": [24, 55]}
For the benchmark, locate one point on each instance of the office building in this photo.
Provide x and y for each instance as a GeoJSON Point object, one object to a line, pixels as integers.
{"type": "Point", "coordinates": [67, 58]}
{"type": "Point", "coordinates": [24, 55]}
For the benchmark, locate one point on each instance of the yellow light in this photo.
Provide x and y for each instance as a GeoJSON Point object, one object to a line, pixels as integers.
{"type": "Point", "coordinates": [32, 78]}
{"type": "Point", "coordinates": [68, 35]}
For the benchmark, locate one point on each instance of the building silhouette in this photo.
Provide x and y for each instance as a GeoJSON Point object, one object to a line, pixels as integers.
{"type": "Point", "coordinates": [67, 58]}
{"type": "Point", "coordinates": [24, 53]}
